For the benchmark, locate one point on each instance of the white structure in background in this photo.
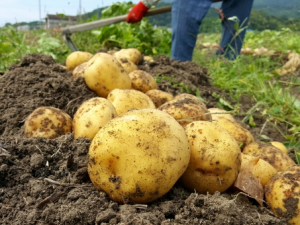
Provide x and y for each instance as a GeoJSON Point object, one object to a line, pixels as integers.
{"type": "Point", "coordinates": [57, 21]}
{"type": "Point", "coordinates": [23, 27]}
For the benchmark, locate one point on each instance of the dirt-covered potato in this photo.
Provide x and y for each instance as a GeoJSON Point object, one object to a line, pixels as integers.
{"type": "Point", "coordinates": [79, 70]}
{"type": "Point", "coordinates": [132, 54]}
{"type": "Point", "coordinates": [186, 95]}
{"type": "Point", "coordinates": [138, 156]}
{"type": "Point", "coordinates": [127, 65]}
{"type": "Point", "coordinates": [48, 122]}
{"type": "Point", "coordinates": [77, 58]}
{"type": "Point", "coordinates": [215, 158]}
{"type": "Point", "coordinates": [159, 97]}
{"type": "Point", "coordinates": [283, 194]}
{"type": "Point", "coordinates": [104, 73]}
{"type": "Point", "coordinates": [280, 146]}
{"type": "Point", "coordinates": [240, 134]}
{"type": "Point", "coordinates": [263, 170]}
{"type": "Point", "coordinates": [91, 116]}
{"type": "Point", "coordinates": [216, 113]}
{"type": "Point", "coordinates": [142, 81]}
{"type": "Point", "coordinates": [125, 100]}
{"type": "Point", "coordinates": [279, 160]}
{"type": "Point", "coordinates": [185, 110]}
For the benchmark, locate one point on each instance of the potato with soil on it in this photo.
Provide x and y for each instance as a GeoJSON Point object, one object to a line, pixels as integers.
{"type": "Point", "coordinates": [283, 195]}
{"type": "Point", "coordinates": [190, 96]}
{"type": "Point", "coordinates": [159, 97]}
{"type": "Point", "coordinates": [142, 81]}
{"type": "Point", "coordinates": [279, 160]}
{"type": "Point", "coordinates": [127, 65]}
{"type": "Point", "coordinates": [79, 70]}
{"type": "Point", "coordinates": [217, 113]}
{"type": "Point", "coordinates": [280, 146]}
{"type": "Point", "coordinates": [240, 134]}
{"type": "Point", "coordinates": [215, 158]}
{"type": "Point", "coordinates": [138, 156]}
{"type": "Point", "coordinates": [185, 110]}
{"type": "Point", "coordinates": [125, 100]}
{"type": "Point", "coordinates": [91, 116]}
{"type": "Point", "coordinates": [77, 58]}
{"type": "Point", "coordinates": [48, 122]}
{"type": "Point", "coordinates": [104, 73]}
{"type": "Point", "coordinates": [132, 54]}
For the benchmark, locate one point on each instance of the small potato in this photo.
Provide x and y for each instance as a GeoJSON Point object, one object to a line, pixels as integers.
{"type": "Point", "coordinates": [185, 111]}
{"type": "Point", "coordinates": [79, 70]}
{"type": "Point", "coordinates": [263, 170]}
{"type": "Point", "coordinates": [217, 110]}
{"type": "Point", "coordinates": [138, 157]}
{"type": "Point", "coordinates": [283, 195]}
{"type": "Point", "coordinates": [186, 95]}
{"type": "Point", "coordinates": [159, 97]}
{"type": "Point", "coordinates": [48, 122]}
{"type": "Point", "coordinates": [125, 100]}
{"type": "Point", "coordinates": [148, 58]}
{"type": "Point", "coordinates": [239, 133]}
{"type": "Point", "coordinates": [104, 73]}
{"type": "Point", "coordinates": [142, 81]}
{"type": "Point", "coordinates": [76, 58]}
{"type": "Point", "coordinates": [215, 158]}
{"type": "Point", "coordinates": [279, 160]}
{"type": "Point", "coordinates": [131, 54]}
{"type": "Point", "coordinates": [91, 116]}
{"type": "Point", "coordinates": [127, 65]}
{"type": "Point", "coordinates": [280, 146]}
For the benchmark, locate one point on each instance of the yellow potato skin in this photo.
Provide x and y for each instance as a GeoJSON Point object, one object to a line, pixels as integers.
{"type": "Point", "coordinates": [104, 73]}
{"type": "Point", "coordinates": [76, 58]}
{"type": "Point", "coordinates": [186, 95]}
{"type": "Point", "coordinates": [91, 116]}
{"type": "Point", "coordinates": [280, 146]}
{"type": "Point", "coordinates": [127, 65]}
{"type": "Point", "coordinates": [142, 81]}
{"type": "Point", "coordinates": [159, 97]}
{"type": "Point", "coordinates": [138, 156]}
{"type": "Point", "coordinates": [125, 100]}
{"type": "Point", "coordinates": [132, 54]}
{"type": "Point", "coordinates": [215, 158]}
{"type": "Point", "coordinates": [283, 194]}
{"type": "Point", "coordinates": [79, 70]}
{"type": "Point", "coordinates": [48, 122]}
{"type": "Point", "coordinates": [216, 116]}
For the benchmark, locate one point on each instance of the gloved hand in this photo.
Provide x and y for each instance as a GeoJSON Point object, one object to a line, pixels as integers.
{"type": "Point", "coordinates": [137, 13]}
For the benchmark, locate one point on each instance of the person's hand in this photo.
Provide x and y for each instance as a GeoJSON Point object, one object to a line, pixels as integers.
{"type": "Point", "coordinates": [137, 13]}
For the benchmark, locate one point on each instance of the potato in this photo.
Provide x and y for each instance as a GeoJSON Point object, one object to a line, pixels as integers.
{"type": "Point", "coordinates": [217, 110]}
{"type": "Point", "coordinates": [104, 73]}
{"type": "Point", "coordinates": [283, 194]}
{"type": "Point", "coordinates": [215, 158]}
{"type": "Point", "coordinates": [91, 116]}
{"type": "Point", "coordinates": [142, 81]}
{"type": "Point", "coordinates": [148, 58]}
{"type": "Point", "coordinates": [280, 146]}
{"type": "Point", "coordinates": [263, 170]}
{"type": "Point", "coordinates": [186, 95]}
{"type": "Point", "coordinates": [79, 70]}
{"type": "Point", "coordinates": [48, 122]}
{"type": "Point", "coordinates": [131, 54]}
{"type": "Point", "coordinates": [239, 133]}
{"type": "Point", "coordinates": [127, 65]}
{"type": "Point", "coordinates": [185, 110]}
{"type": "Point", "coordinates": [76, 58]}
{"type": "Point", "coordinates": [138, 156]}
{"type": "Point", "coordinates": [125, 100]}
{"type": "Point", "coordinates": [279, 160]}
{"type": "Point", "coordinates": [159, 97]}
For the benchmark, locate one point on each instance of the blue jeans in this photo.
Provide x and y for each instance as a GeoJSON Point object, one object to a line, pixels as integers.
{"type": "Point", "coordinates": [187, 16]}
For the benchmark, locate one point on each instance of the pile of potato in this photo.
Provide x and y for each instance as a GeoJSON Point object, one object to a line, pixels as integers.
{"type": "Point", "coordinates": [144, 140]}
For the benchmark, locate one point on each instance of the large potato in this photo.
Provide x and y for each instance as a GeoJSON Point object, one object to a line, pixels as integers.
{"type": "Point", "coordinates": [215, 158]}
{"type": "Point", "coordinates": [185, 110]}
{"type": "Point", "coordinates": [77, 58]}
{"type": "Point", "coordinates": [125, 100]}
{"type": "Point", "coordinates": [217, 113]}
{"type": "Point", "coordinates": [104, 73]}
{"type": "Point", "coordinates": [48, 122]}
{"type": "Point", "coordinates": [142, 81]}
{"type": "Point", "coordinates": [138, 156]}
{"type": "Point", "coordinates": [91, 116]}
{"type": "Point", "coordinates": [283, 195]}
{"type": "Point", "coordinates": [127, 65]}
{"type": "Point", "coordinates": [186, 95]}
{"type": "Point", "coordinates": [159, 97]}
{"type": "Point", "coordinates": [132, 54]}
{"type": "Point", "coordinates": [279, 160]}
{"type": "Point", "coordinates": [239, 133]}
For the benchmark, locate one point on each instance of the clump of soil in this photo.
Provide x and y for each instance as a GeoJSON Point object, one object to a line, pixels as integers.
{"type": "Point", "coordinates": [45, 181]}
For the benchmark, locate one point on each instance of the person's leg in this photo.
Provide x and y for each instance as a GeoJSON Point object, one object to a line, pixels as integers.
{"type": "Point", "coordinates": [232, 41]}
{"type": "Point", "coordinates": [187, 16]}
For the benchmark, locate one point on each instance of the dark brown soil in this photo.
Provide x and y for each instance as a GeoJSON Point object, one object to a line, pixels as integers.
{"type": "Point", "coordinates": [29, 168]}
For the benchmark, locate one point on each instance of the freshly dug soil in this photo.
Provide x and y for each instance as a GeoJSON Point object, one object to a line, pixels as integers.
{"type": "Point", "coordinates": [45, 181]}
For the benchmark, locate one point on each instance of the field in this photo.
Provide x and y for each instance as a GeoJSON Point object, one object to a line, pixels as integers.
{"type": "Point", "coordinates": [264, 102]}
